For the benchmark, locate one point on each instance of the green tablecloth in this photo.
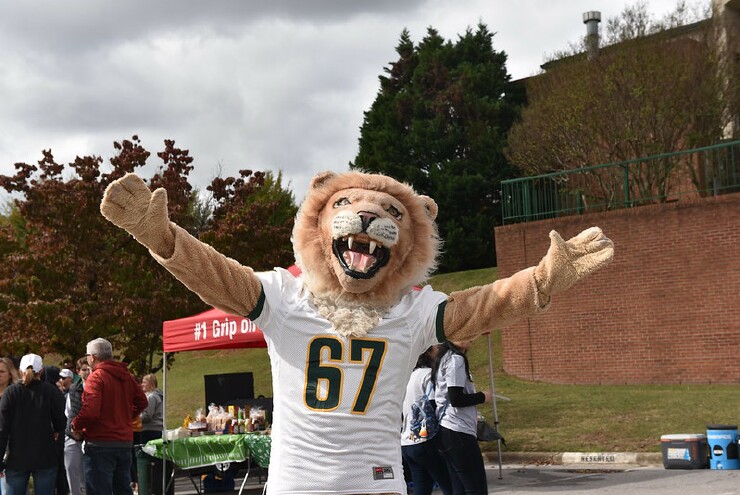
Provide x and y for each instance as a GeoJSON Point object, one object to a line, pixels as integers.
{"type": "Point", "coordinates": [207, 450]}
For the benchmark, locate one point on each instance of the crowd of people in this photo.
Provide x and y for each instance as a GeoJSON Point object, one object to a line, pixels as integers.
{"type": "Point", "coordinates": [449, 457]}
{"type": "Point", "coordinates": [71, 430]}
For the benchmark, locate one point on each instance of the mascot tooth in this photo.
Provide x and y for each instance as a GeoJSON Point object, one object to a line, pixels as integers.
{"type": "Point", "coordinates": [344, 336]}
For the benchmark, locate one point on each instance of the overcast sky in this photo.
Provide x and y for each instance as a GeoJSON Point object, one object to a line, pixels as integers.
{"type": "Point", "coordinates": [266, 85]}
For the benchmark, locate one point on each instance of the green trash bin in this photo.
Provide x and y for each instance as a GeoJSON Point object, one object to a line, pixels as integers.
{"type": "Point", "coordinates": [143, 470]}
{"type": "Point", "coordinates": [149, 472]}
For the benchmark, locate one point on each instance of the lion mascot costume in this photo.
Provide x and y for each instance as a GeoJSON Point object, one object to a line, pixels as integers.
{"type": "Point", "coordinates": [343, 337]}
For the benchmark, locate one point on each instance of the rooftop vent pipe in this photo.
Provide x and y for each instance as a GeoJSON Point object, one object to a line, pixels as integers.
{"type": "Point", "coordinates": [592, 19]}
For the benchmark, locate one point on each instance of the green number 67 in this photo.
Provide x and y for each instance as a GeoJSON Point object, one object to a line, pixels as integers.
{"type": "Point", "coordinates": [325, 379]}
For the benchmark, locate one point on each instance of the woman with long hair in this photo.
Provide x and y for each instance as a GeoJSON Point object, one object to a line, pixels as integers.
{"type": "Point", "coordinates": [8, 376]}
{"type": "Point", "coordinates": [457, 441]}
{"type": "Point", "coordinates": [419, 451]}
{"type": "Point", "coordinates": [151, 417]}
{"type": "Point", "coordinates": [31, 421]}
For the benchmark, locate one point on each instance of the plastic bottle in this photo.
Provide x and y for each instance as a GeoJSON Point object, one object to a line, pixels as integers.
{"type": "Point", "coordinates": [240, 421]}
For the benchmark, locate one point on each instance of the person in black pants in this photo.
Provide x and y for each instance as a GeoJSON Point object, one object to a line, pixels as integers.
{"type": "Point", "coordinates": [31, 423]}
{"type": "Point", "coordinates": [419, 452]}
{"type": "Point", "coordinates": [457, 441]}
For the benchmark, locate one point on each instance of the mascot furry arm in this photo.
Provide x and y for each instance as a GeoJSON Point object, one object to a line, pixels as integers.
{"type": "Point", "coordinates": [226, 284]}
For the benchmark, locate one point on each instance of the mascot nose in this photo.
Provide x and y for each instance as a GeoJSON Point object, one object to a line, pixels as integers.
{"type": "Point", "coordinates": [366, 217]}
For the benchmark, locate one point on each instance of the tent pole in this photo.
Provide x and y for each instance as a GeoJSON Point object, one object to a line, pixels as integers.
{"type": "Point", "coordinates": [493, 403]}
{"type": "Point", "coordinates": [164, 422]}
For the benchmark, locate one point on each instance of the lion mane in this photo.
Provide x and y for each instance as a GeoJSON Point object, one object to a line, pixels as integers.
{"type": "Point", "coordinates": [362, 241]}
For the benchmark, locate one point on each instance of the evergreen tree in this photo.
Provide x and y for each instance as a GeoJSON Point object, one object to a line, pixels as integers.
{"type": "Point", "coordinates": [439, 123]}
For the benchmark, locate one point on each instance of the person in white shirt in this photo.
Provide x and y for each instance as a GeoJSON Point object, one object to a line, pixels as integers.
{"type": "Point", "coordinates": [455, 395]}
{"type": "Point", "coordinates": [420, 452]}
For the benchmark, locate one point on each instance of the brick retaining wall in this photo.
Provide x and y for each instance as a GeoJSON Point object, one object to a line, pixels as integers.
{"type": "Point", "coordinates": [667, 310]}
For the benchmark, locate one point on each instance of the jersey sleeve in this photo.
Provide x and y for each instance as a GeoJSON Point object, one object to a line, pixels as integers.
{"type": "Point", "coordinates": [430, 308]}
{"type": "Point", "coordinates": [272, 306]}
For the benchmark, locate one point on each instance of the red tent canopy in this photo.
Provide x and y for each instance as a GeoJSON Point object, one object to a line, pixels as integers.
{"type": "Point", "coordinates": [213, 329]}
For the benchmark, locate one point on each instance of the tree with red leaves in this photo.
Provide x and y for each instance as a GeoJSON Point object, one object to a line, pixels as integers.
{"type": "Point", "coordinates": [67, 275]}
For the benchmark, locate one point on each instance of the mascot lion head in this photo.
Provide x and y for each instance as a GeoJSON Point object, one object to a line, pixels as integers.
{"type": "Point", "coordinates": [362, 241]}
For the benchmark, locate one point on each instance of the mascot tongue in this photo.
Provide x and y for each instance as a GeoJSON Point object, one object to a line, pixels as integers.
{"type": "Point", "coordinates": [359, 262]}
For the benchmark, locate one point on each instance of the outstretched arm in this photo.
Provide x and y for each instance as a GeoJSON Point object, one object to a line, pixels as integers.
{"type": "Point", "coordinates": [220, 281]}
{"type": "Point", "coordinates": [479, 310]}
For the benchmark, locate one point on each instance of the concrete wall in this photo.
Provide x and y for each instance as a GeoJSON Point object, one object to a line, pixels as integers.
{"type": "Point", "coordinates": [667, 310]}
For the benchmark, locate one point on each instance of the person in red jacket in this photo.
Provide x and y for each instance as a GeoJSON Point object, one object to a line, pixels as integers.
{"type": "Point", "coordinates": [111, 400]}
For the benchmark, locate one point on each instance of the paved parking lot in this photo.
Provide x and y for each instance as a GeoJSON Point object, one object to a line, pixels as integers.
{"type": "Point", "coordinates": [577, 479]}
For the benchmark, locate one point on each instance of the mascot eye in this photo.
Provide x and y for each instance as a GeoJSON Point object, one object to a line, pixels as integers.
{"type": "Point", "coordinates": [341, 202]}
{"type": "Point", "coordinates": [394, 212]}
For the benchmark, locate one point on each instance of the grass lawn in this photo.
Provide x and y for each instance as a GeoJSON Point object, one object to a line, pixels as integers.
{"type": "Point", "coordinates": [599, 418]}
{"type": "Point", "coordinates": [540, 417]}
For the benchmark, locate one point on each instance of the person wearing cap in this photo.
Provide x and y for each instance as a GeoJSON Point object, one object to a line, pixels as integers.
{"type": "Point", "coordinates": [65, 380]}
{"type": "Point", "coordinates": [31, 420]}
{"type": "Point", "coordinates": [110, 401]}
{"type": "Point", "coordinates": [74, 367]}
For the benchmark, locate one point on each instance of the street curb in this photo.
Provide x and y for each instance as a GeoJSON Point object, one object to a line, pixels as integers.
{"type": "Point", "coordinates": [600, 459]}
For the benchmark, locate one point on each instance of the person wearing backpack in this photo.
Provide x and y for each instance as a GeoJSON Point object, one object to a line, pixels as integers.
{"type": "Point", "coordinates": [457, 440]}
{"type": "Point", "coordinates": [420, 427]}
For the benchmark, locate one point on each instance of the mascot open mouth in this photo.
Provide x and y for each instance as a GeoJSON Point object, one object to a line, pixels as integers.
{"type": "Point", "coordinates": [360, 256]}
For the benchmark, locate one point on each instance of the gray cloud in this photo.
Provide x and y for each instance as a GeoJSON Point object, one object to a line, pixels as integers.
{"type": "Point", "coordinates": [266, 85]}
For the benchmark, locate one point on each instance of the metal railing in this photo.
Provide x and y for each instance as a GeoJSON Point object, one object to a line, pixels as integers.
{"type": "Point", "coordinates": [700, 172]}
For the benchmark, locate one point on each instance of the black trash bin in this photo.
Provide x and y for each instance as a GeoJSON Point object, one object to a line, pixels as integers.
{"type": "Point", "coordinates": [149, 471]}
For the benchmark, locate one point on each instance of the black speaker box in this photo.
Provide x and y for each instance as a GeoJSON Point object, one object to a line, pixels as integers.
{"type": "Point", "coordinates": [229, 388]}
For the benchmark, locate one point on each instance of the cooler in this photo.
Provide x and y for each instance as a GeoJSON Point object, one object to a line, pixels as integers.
{"type": "Point", "coordinates": [723, 446]}
{"type": "Point", "coordinates": [685, 451]}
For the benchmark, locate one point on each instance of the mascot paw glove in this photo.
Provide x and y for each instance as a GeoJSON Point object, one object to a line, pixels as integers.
{"type": "Point", "coordinates": [567, 262]}
{"type": "Point", "coordinates": [129, 204]}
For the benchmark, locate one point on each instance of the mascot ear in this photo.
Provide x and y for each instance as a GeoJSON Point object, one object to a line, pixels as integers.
{"type": "Point", "coordinates": [430, 205]}
{"type": "Point", "coordinates": [320, 179]}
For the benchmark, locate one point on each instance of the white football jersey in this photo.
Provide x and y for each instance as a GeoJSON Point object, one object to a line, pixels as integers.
{"type": "Point", "coordinates": [337, 400]}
